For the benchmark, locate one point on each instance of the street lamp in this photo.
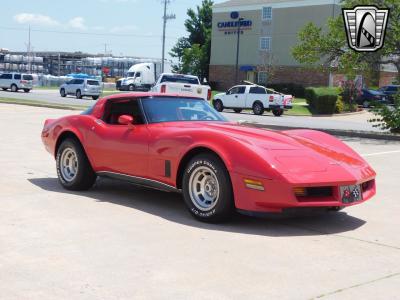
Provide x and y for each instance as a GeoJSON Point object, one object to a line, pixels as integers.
{"type": "Point", "coordinates": [237, 50]}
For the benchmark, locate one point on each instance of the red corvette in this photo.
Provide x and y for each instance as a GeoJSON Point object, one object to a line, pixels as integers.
{"type": "Point", "coordinates": [176, 143]}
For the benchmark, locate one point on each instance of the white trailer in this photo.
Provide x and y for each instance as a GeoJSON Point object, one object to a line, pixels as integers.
{"type": "Point", "coordinates": [141, 77]}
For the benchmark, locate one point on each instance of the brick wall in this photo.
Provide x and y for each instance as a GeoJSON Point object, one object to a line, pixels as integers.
{"type": "Point", "coordinates": [222, 77]}
{"type": "Point", "coordinates": [387, 78]}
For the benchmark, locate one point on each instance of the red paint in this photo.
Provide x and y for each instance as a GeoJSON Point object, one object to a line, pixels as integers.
{"type": "Point", "coordinates": [280, 160]}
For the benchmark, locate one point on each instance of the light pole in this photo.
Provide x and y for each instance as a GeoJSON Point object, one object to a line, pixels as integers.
{"type": "Point", "coordinates": [165, 19]}
{"type": "Point", "coordinates": [237, 51]}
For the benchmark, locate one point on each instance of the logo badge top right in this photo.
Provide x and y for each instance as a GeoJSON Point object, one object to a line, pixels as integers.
{"type": "Point", "coordinates": [365, 27]}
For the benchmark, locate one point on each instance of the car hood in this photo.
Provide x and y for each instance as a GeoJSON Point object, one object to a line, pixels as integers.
{"type": "Point", "coordinates": [292, 151]}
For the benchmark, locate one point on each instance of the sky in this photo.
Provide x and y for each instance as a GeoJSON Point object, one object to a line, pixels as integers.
{"type": "Point", "coordinates": [120, 27]}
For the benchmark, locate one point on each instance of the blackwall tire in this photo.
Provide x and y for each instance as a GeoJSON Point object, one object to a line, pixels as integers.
{"type": "Point", "coordinates": [218, 105]}
{"type": "Point", "coordinates": [258, 108]}
{"type": "Point", "coordinates": [207, 189]}
{"type": "Point", "coordinates": [73, 167]}
{"type": "Point", "coordinates": [277, 112]}
{"type": "Point", "coordinates": [62, 93]}
{"type": "Point", "coordinates": [14, 88]}
{"type": "Point", "coordinates": [78, 94]}
{"type": "Point", "coordinates": [237, 110]}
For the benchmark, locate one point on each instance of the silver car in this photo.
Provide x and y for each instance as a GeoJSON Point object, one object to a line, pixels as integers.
{"type": "Point", "coordinates": [16, 81]}
{"type": "Point", "coordinates": [80, 88]}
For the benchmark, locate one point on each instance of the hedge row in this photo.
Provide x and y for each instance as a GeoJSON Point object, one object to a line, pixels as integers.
{"type": "Point", "coordinates": [323, 100]}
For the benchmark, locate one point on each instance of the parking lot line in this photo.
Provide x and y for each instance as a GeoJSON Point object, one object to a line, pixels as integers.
{"type": "Point", "coordinates": [380, 153]}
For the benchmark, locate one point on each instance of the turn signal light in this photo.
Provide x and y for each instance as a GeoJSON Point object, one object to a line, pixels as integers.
{"type": "Point", "coordinates": [209, 95]}
{"type": "Point", "coordinates": [300, 191]}
{"type": "Point", "coordinates": [254, 184]}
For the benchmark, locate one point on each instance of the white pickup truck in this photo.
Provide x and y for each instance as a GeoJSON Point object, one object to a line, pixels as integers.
{"type": "Point", "coordinates": [182, 84]}
{"type": "Point", "coordinates": [253, 96]}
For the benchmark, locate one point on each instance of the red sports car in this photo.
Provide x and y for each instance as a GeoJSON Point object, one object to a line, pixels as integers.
{"type": "Point", "coordinates": [176, 143]}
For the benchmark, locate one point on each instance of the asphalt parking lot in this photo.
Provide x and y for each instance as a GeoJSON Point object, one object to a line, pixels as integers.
{"type": "Point", "coordinates": [118, 241]}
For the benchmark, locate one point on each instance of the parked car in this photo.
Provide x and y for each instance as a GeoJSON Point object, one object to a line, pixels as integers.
{"type": "Point", "coordinates": [368, 97]}
{"type": "Point", "coordinates": [81, 88]}
{"type": "Point", "coordinates": [16, 82]}
{"type": "Point", "coordinates": [181, 84]}
{"type": "Point", "coordinates": [252, 96]}
{"type": "Point", "coordinates": [181, 144]}
{"type": "Point", "coordinates": [390, 91]}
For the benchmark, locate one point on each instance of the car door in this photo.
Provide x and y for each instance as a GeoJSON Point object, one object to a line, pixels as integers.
{"type": "Point", "coordinates": [116, 148]}
{"type": "Point", "coordinates": [5, 80]}
{"type": "Point", "coordinates": [240, 97]}
{"type": "Point", "coordinates": [69, 86]}
{"type": "Point", "coordinates": [230, 96]}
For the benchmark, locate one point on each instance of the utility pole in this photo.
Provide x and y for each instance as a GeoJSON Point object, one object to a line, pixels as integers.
{"type": "Point", "coordinates": [237, 51]}
{"type": "Point", "coordinates": [29, 50]}
{"type": "Point", "coordinates": [165, 19]}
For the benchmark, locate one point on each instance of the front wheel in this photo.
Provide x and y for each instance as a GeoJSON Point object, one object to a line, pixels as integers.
{"type": "Point", "coordinates": [78, 94]}
{"type": "Point", "coordinates": [131, 87]}
{"type": "Point", "coordinates": [63, 93]}
{"type": "Point", "coordinates": [207, 189]}
{"type": "Point", "coordinates": [95, 97]}
{"type": "Point", "coordinates": [218, 105]}
{"type": "Point", "coordinates": [365, 104]}
{"type": "Point", "coordinates": [27, 90]}
{"type": "Point", "coordinates": [277, 112]}
{"type": "Point", "coordinates": [237, 110]}
{"type": "Point", "coordinates": [258, 108]}
{"type": "Point", "coordinates": [73, 167]}
{"type": "Point", "coordinates": [14, 88]}
{"type": "Point", "coordinates": [4, 89]}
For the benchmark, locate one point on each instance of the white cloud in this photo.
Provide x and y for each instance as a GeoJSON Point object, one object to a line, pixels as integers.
{"type": "Point", "coordinates": [77, 23]}
{"type": "Point", "coordinates": [123, 29]}
{"type": "Point", "coordinates": [35, 19]}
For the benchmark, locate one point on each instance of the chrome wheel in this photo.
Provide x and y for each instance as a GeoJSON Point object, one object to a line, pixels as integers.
{"type": "Point", "coordinates": [204, 188]}
{"type": "Point", "coordinates": [69, 164]}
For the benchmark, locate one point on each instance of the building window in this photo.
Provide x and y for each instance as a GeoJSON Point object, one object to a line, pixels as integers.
{"type": "Point", "coordinates": [262, 77]}
{"type": "Point", "coordinates": [265, 43]}
{"type": "Point", "coordinates": [267, 13]}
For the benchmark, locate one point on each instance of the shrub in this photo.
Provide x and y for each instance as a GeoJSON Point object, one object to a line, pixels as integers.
{"type": "Point", "coordinates": [388, 117]}
{"type": "Point", "coordinates": [339, 105]}
{"type": "Point", "coordinates": [322, 100]}
{"type": "Point", "coordinates": [294, 89]}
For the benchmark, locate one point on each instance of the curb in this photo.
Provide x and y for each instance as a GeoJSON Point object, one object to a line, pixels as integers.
{"type": "Point", "coordinates": [338, 132]}
{"type": "Point", "coordinates": [43, 104]}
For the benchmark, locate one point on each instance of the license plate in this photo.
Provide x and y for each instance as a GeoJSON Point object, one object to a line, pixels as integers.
{"type": "Point", "coordinates": [350, 193]}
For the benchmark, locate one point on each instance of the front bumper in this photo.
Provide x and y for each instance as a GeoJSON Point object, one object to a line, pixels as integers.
{"type": "Point", "coordinates": [278, 195]}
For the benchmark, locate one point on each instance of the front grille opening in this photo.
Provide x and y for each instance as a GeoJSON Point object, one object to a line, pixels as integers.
{"type": "Point", "coordinates": [314, 193]}
{"type": "Point", "coordinates": [367, 185]}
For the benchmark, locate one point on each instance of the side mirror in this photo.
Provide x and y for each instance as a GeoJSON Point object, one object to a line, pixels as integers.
{"type": "Point", "coordinates": [227, 93]}
{"type": "Point", "coordinates": [125, 120]}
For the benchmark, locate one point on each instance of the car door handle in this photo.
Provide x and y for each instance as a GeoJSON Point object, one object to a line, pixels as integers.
{"type": "Point", "coordinates": [236, 96]}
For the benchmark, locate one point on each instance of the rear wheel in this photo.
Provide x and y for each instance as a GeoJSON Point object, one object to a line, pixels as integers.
{"type": "Point", "coordinates": [365, 104]}
{"type": "Point", "coordinates": [27, 90]}
{"type": "Point", "coordinates": [14, 88]}
{"type": "Point", "coordinates": [258, 108]}
{"type": "Point", "coordinates": [78, 94]}
{"type": "Point", "coordinates": [63, 93]}
{"type": "Point", "coordinates": [73, 168]}
{"type": "Point", "coordinates": [277, 112]}
{"type": "Point", "coordinates": [207, 189]}
{"type": "Point", "coordinates": [237, 110]}
{"type": "Point", "coordinates": [4, 89]}
{"type": "Point", "coordinates": [95, 97]}
{"type": "Point", "coordinates": [218, 105]}
{"type": "Point", "coordinates": [131, 87]}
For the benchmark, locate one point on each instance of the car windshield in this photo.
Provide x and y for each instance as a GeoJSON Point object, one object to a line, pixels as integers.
{"type": "Point", "coordinates": [93, 82]}
{"type": "Point", "coordinates": [27, 77]}
{"type": "Point", "coordinates": [179, 79]}
{"type": "Point", "coordinates": [172, 109]}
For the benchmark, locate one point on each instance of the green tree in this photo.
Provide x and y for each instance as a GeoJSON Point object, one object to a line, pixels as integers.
{"type": "Point", "coordinates": [327, 46]}
{"type": "Point", "coordinates": [193, 52]}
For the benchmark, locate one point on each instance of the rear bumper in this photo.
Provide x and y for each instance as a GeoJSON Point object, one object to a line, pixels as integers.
{"type": "Point", "coordinates": [279, 196]}
{"type": "Point", "coordinates": [89, 93]}
{"type": "Point", "coordinates": [275, 106]}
